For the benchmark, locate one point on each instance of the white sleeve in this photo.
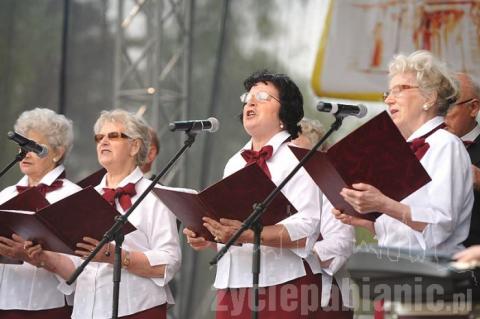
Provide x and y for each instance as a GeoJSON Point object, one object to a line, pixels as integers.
{"type": "Point", "coordinates": [304, 194]}
{"type": "Point", "coordinates": [441, 202]}
{"type": "Point", "coordinates": [63, 287]}
{"type": "Point", "coordinates": [338, 239]}
{"type": "Point", "coordinates": [164, 242]}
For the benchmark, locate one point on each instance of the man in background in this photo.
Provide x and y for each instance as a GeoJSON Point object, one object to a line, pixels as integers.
{"type": "Point", "coordinates": [461, 120]}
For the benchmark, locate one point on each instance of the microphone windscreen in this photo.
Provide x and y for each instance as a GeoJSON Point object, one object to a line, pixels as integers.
{"type": "Point", "coordinates": [215, 124]}
{"type": "Point", "coordinates": [362, 112]}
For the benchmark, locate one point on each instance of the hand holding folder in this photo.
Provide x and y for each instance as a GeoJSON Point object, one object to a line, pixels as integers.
{"type": "Point", "coordinates": [60, 226]}
{"type": "Point", "coordinates": [30, 200]}
{"type": "Point", "coordinates": [375, 154]}
{"type": "Point", "coordinates": [9, 260]}
{"type": "Point", "coordinates": [233, 197]}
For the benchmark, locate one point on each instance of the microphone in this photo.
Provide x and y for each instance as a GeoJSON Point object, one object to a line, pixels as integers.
{"type": "Point", "coordinates": [210, 125]}
{"type": "Point", "coordinates": [28, 145]}
{"type": "Point", "coordinates": [359, 110]}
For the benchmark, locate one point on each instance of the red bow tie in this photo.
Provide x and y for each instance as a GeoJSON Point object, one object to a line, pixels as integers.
{"type": "Point", "coordinates": [124, 195]}
{"type": "Point", "coordinates": [419, 146]}
{"type": "Point", "coordinates": [259, 157]}
{"type": "Point", "coordinates": [42, 188]}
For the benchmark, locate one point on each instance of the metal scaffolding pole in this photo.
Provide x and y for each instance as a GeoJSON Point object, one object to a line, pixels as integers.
{"type": "Point", "coordinates": [152, 68]}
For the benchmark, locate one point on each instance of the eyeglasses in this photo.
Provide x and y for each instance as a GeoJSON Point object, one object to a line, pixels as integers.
{"type": "Point", "coordinates": [466, 101]}
{"type": "Point", "coordinates": [113, 136]}
{"type": "Point", "coordinates": [260, 96]}
{"type": "Point", "coordinates": [397, 89]}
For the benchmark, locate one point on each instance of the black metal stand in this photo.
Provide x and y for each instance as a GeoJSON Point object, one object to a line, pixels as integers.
{"type": "Point", "coordinates": [18, 158]}
{"type": "Point", "coordinates": [117, 271]}
{"type": "Point", "coordinates": [252, 221]}
{"type": "Point", "coordinates": [114, 233]}
{"type": "Point", "coordinates": [257, 228]}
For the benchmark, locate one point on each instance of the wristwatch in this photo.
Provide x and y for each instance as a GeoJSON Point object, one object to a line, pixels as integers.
{"type": "Point", "coordinates": [126, 259]}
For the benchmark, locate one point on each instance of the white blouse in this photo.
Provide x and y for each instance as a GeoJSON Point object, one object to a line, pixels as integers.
{"type": "Point", "coordinates": [156, 236]}
{"type": "Point", "coordinates": [445, 203]}
{"type": "Point", "coordinates": [337, 244]}
{"type": "Point", "coordinates": [26, 287]}
{"type": "Point", "coordinates": [278, 265]}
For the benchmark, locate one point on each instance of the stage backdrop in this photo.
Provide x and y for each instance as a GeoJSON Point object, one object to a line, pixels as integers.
{"type": "Point", "coordinates": [361, 36]}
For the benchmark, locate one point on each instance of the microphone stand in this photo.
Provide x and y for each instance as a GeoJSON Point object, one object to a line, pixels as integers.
{"type": "Point", "coordinates": [115, 232]}
{"type": "Point", "coordinates": [252, 221]}
{"type": "Point", "coordinates": [18, 158]}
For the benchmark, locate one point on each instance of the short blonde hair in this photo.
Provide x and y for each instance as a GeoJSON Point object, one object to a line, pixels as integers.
{"type": "Point", "coordinates": [432, 76]}
{"type": "Point", "coordinates": [135, 127]}
{"type": "Point", "coordinates": [57, 129]}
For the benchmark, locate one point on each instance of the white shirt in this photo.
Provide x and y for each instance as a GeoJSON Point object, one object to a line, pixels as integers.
{"type": "Point", "coordinates": [26, 287]}
{"type": "Point", "coordinates": [156, 236]}
{"type": "Point", "coordinates": [472, 135]}
{"type": "Point", "coordinates": [337, 244]}
{"type": "Point", "coordinates": [278, 265]}
{"type": "Point", "coordinates": [445, 203]}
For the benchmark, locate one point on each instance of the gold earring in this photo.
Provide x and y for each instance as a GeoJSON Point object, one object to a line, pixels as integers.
{"type": "Point", "coordinates": [425, 107]}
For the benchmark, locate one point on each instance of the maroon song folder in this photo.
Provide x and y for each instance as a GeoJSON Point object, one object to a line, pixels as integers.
{"type": "Point", "coordinates": [10, 261]}
{"type": "Point", "coordinates": [93, 179]}
{"type": "Point", "coordinates": [31, 200]}
{"type": "Point", "coordinates": [233, 197]}
{"type": "Point", "coordinates": [60, 226]}
{"type": "Point", "coordinates": [375, 154]}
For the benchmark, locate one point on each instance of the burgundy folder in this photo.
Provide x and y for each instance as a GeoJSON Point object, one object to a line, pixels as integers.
{"type": "Point", "coordinates": [60, 226]}
{"type": "Point", "coordinates": [10, 261]}
{"type": "Point", "coordinates": [93, 179]}
{"type": "Point", "coordinates": [375, 154]}
{"type": "Point", "coordinates": [31, 200]}
{"type": "Point", "coordinates": [233, 197]}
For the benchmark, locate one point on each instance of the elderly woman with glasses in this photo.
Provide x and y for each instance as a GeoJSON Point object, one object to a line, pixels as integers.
{"type": "Point", "coordinates": [272, 108]}
{"type": "Point", "coordinates": [150, 254]}
{"type": "Point", "coordinates": [437, 216]}
{"type": "Point", "coordinates": [28, 290]}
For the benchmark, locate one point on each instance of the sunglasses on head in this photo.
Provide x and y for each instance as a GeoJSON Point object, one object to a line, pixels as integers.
{"type": "Point", "coordinates": [111, 136]}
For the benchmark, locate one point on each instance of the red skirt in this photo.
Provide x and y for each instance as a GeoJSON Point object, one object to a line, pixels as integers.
{"type": "Point", "coordinates": [57, 313]}
{"type": "Point", "coordinates": [159, 312]}
{"type": "Point", "coordinates": [298, 298]}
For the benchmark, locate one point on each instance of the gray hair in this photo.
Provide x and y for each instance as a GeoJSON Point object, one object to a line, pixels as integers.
{"type": "Point", "coordinates": [432, 75]}
{"type": "Point", "coordinates": [135, 127]}
{"type": "Point", "coordinates": [313, 130]}
{"type": "Point", "coordinates": [57, 129]}
{"type": "Point", "coordinates": [472, 84]}
{"type": "Point", "coordinates": [475, 88]}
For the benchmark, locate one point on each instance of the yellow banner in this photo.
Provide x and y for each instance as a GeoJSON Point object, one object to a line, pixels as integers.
{"type": "Point", "coordinates": [360, 38]}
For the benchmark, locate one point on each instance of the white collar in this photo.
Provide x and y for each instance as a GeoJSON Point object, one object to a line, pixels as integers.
{"type": "Point", "coordinates": [426, 127]}
{"type": "Point", "coordinates": [133, 178]}
{"type": "Point", "coordinates": [48, 179]}
{"type": "Point", "coordinates": [275, 141]}
{"type": "Point", "coordinates": [472, 135]}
